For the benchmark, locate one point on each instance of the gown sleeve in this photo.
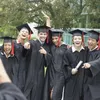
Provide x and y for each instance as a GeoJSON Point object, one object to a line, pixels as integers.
{"type": "Point", "coordinates": [95, 67]}
{"type": "Point", "coordinates": [68, 63]}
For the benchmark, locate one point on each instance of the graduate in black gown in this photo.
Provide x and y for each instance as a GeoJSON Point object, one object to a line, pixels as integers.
{"type": "Point", "coordinates": [92, 69]}
{"type": "Point", "coordinates": [74, 86]}
{"type": "Point", "coordinates": [9, 60]}
{"type": "Point", "coordinates": [37, 58]}
{"type": "Point", "coordinates": [8, 91]}
{"type": "Point", "coordinates": [23, 35]}
{"type": "Point", "coordinates": [56, 71]}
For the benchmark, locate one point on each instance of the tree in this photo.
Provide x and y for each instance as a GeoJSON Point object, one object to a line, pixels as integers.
{"type": "Point", "coordinates": [63, 13]}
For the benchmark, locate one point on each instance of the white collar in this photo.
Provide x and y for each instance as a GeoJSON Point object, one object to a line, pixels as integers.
{"type": "Point", "coordinates": [7, 56]}
{"type": "Point", "coordinates": [74, 49]}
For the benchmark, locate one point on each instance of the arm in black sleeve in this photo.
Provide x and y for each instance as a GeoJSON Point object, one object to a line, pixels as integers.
{"type": "Point", "coordinates": [68, 63]}
{"type": "Point", "coordinates": [25, 51]}
{"type": "Point", "coordinates": [48, 59]}
{"type": "Point", "coordinates": [48, 56]}
{"type": "Point", "coordinates": [95, 66]}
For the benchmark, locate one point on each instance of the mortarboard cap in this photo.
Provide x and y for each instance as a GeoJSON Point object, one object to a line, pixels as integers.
{"type": "Point", "coordinates": [77, 32]}
{"type": "Point", "coordinates": [7, 38]}
{"type": "Point", "coordinates": [43, 28]}
{"type": "Point", "coordinates": [24, 26]}
{"type": "Point", "coordinates": [56, 32]}
{"type": "Point", "coordinates": [94, 34]}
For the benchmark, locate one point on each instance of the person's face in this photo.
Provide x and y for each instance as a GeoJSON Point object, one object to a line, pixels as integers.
{"type": "Point", "coordinates": [7, 48]}
{"type": "Point", "coordinates": [42, 36]}
{"type": "Point", "coordinates": [92, 43]}
{"type": "Point", "coordinates": [77, 41]}
{"type": "Point", "coordinates": [24, 33]}
{"type": "Point", "coordinates": [55, 40]}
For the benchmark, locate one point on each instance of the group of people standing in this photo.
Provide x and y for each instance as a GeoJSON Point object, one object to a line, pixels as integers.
{"type": "Point", "coordinates": [25, 61]}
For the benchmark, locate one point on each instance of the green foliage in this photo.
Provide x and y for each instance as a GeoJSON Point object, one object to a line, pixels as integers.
{"type": "Point", "coordinates": [63, 13]}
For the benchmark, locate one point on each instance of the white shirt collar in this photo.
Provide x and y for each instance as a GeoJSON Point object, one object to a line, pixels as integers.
{"type": "Point", "coordinates": [74, 49]}
{"type": "Point", "coordinates": [6, 55]}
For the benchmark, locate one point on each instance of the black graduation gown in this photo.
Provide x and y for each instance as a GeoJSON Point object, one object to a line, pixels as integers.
{"type": "Point", "coordinates": [74, 83]}
{"type": "Point", "coordinates": [92, 77]}
{"type": "Point", "coordinates": [35, 71]}
{"type": "Point", "coordinates": [56, 71]}
{"type": "Point", "coordinates": [57, 76]}
{"type": "Point", "coordinates": [20, 54]}
{"type": "Point", "coordinates": [56, 65]}
{"type": "Point", "coordinates": [9, 91]}
{"type": "Point", "coordinates": [11, 66]}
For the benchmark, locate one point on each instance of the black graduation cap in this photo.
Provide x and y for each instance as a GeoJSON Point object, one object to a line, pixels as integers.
{"type": "Point", "coordinates": [94, 34]}
{"type": "Point", "coordinates": [42, 28]}
{"type": "Point", "coordinates": [7, 38]}
{"type": "Point", "coordinates": [24, 26]}
{"type": "Point", "coordinates": [77, 32]}
{"type": "Point", "coordinates": [56, 32]}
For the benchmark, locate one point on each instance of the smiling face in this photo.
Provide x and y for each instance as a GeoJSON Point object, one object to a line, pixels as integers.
{"type": "Point", "coordinates": [7, 47]}
{"type": "Point", "coordinates": [42, 36]}
{"type": "Point", "coordinates": [77, 41]}
{"type": "Point", "coordinates": [92, 43]}
{"type": "Point", "coordinates": [24, 33]}
{"type": "Point", "coordinates": [56, 39]}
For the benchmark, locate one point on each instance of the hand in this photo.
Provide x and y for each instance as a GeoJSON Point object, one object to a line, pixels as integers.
{"type": "Point", "coordinates": [27, 45]}
{"type": "Point", "coordinates": [42, 51]}
{"type": "Point", "coordinates": [74, 71]}
{"type": "Point", "coordinates": [48, 22]}
{"type": "Point", "coordinates": [86, 65]}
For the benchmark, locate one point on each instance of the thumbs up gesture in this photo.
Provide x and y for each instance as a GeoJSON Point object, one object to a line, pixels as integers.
{"type": "Point", "coordinates": [42, 51]}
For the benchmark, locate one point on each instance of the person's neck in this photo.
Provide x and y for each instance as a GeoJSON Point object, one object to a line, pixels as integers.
{"type": "Point", "coordinates": [93, 48]}
{"type": "Point", "coordinates": [60, 43]}
{"type": "Point", "coordinates": [41, 41]}
{"type": "Point", "coordinates": [77, 48]}
{"type": "Point", "coordinates": [7, 55]}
